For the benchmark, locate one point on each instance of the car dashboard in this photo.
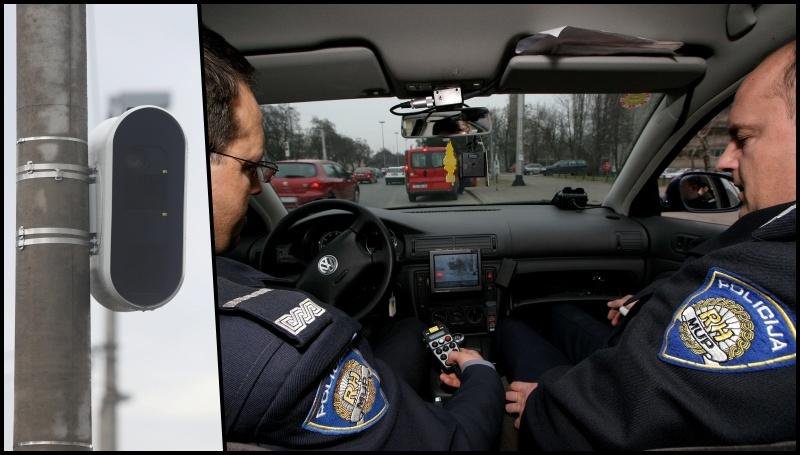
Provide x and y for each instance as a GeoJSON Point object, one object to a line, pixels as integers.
{"type": "Point", "coordinates": [530, 255]}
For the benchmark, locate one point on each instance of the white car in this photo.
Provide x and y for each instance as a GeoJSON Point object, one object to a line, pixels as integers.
{"type": "Point", "coordinates": [671, 172]}
{"type": "Point", "coordinates": [533, 169]}
{"type": "Point", "coordinates": [395, 175]}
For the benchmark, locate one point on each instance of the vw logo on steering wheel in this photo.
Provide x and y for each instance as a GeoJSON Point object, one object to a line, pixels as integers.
{"type": "Point", "coordinates": [327, 264]}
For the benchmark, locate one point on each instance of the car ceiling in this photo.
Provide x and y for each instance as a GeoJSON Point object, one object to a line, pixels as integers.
{"type": "Point", "coordinates": [415, 43]}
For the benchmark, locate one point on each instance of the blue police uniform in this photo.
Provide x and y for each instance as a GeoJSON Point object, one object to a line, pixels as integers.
{"type": "Point", "coordinates": [707, 356]}
{"type": "Point", "coordinates": [297, 374]}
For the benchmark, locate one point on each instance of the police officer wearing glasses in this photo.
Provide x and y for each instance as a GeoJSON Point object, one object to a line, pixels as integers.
{"type": "Point", "coordinates": [297, 373]}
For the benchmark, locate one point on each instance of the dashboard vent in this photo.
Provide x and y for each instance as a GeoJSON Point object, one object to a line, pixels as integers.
{"type": "Point", "coordinates": [421, 246]}
{"type": "Point", "coordinates": [475, 242]}
{"type": "Point", "coordinates": [629, 241]}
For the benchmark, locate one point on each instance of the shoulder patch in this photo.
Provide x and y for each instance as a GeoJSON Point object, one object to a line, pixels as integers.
{"type": "Point", "coordinates": [349, 400]}
{"type": "Point", "coordinates": [730, 326]}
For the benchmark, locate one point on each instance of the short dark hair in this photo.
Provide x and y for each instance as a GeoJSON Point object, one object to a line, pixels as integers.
{"type": "Point", "coordinates": [223, 69]}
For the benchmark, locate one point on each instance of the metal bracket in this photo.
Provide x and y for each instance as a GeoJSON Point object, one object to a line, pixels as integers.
{"type": "Point", "coordinates": [56, 171]}
{"type": "Point", "coordinates": [53, 443]}
{"type": "Point", "coordinates": [50, 138]}
{"type": "Point", "coordinates": [57, 236]}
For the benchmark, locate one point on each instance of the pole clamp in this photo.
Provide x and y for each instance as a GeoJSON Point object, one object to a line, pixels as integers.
{"type": "Point", "coordinates": [56, 171]}
{"type": "Point", "coordinates": [53, 235]}
{"type": "Point", "coordinates": [84, 445]}
{"type": "Point", "coordinates": [22, 140]}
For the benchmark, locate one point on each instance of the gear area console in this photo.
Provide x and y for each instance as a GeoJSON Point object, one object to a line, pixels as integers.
{"type": "Point", "coordinates": [457, 290]}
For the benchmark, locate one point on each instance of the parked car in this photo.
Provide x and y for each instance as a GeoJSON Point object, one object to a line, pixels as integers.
{"type": "Point", "coordinates": [571, 167]}
{"type": "Point", "coordinates": [532, 169]}
{"type": "Point", "coordinates": [425, 173]}
{"type": "Point", "coordinates": [365, 174]}
{"type": "Point", "coordinates": [298, 182]}
{"type": "Point", "coordinates": [396, 174]}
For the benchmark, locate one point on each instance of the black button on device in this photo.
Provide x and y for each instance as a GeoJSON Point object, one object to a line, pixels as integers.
{"type": "Point", "coordinates": [452, 345]}
{"type": "Point", "coordinates": [443, 356]}
{"type": "Point", "coordinates": [445, 348]}
{"type": "Point", "coordinates": [438, 351]}
{"type": "Point", "coordinates": [434, 344]}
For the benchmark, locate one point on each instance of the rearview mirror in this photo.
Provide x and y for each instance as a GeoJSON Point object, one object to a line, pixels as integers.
{"type": "Point", "coordinates": [704, 192]}
{"type": "Point", "coordinates": [470, 121]}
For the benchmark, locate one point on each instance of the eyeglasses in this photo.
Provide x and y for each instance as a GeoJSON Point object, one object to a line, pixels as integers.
{"type": "Point", "coordinates": [263, 170]}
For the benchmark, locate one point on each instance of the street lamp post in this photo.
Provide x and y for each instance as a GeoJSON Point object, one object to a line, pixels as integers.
{"type": "Point", "coordinates": [383, 145]}
{"type": "Point", "coordinates": [396, 146]}
{"type": "Point", "coordinates": [518, 180]}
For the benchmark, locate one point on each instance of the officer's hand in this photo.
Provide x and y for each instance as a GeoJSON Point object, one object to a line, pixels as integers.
{"type": "Point", "coordinates": [459, 357]}
{"type": "Point", "coordinates": [613, 313]}
{"type": "Point", "coordinates": [517, 395]}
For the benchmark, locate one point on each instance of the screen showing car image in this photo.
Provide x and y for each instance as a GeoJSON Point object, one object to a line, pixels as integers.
{"type": "Point", "coordinates": [455, 271]}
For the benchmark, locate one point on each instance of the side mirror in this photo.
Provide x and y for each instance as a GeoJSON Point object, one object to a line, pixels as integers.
{"type": "Point", "coordinates": [470, 121]}
{"type": "Point", "coordinates": [348, 175]}
{"type": "Point", "coordinates": [702, 192]}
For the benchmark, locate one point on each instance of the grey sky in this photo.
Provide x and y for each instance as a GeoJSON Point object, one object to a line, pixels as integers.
{"type": "Point", "coordinates": [167, 357]}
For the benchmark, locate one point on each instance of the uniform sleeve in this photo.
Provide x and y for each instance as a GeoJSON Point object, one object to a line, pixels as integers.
{"type": "Point", "coordinates": [592, 405]}
{"type": "Point", "coordinates": [626, 398]}
{"type": "Point", "coordinates": [478, 406]}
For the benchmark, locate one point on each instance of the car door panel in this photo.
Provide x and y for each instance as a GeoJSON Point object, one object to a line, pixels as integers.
{"type": "Point", "coordinates": [672, 238]}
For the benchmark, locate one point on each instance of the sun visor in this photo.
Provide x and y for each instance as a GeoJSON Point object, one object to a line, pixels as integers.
{"type": "Point", "coordinates": [326, 74]}
{"type": "Point", "coordinates": [606, 74]}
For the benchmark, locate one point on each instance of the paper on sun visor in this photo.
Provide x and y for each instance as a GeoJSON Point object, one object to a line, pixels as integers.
{"type": "Point", "coordinates": [555, 32]}
{"type": "Point", "coordinates": [580, 41]}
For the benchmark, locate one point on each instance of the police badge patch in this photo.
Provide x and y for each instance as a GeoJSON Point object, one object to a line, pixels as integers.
{"type": "Point", "coordinates": [730, 326]}
{"type": "Point", "coordinates": [348, 400]}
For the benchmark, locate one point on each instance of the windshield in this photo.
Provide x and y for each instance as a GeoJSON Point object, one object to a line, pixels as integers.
{"type": "Point", "coordinates": [568, 140]}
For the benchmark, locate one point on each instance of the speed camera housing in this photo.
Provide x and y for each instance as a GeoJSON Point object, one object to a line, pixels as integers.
{"type": "Point", "coordinates": [138, 209]}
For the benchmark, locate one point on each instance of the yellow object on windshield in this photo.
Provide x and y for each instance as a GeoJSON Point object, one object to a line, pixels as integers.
{"type": "Point", "coordinates": [450, 164]}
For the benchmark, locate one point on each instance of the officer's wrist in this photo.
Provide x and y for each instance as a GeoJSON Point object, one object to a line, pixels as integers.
{"type": "Point", "coordinates": [471, 362]}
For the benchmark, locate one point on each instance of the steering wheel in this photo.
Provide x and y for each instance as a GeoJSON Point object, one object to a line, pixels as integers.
{"type": "Point", "coordinates": [340, 263]}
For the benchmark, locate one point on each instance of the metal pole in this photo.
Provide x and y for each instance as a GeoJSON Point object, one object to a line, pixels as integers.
{"type": "Point", "coordinates": [518, 181]}
{"type": "Point", "coordinates": [324, 151]}
{"type": "Point", "coordinates": [52, 376]}
{"type": "Point", "coordinates": [396, 145]}
{"type": "Point", "coordinates": [289, 133]}
{"type": "Point", "coordinates": [108, 410]}
{"type": "Point", "coordinates": [383, 145]}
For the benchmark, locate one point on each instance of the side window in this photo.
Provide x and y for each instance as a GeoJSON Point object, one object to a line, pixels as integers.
{"type": "Point", "coordinates": [700, 154]}
{"type": "Point", "coordinates": [340, 171]}
{"type": "Point", "coordinates": [330, 170]}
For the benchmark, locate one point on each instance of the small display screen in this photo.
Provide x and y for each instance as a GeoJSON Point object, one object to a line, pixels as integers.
{"type": "Point", "coordinates": [455, 271]}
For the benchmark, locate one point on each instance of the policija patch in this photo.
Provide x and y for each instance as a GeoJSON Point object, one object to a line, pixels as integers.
{"type": "Point", "coordinates": [348, 400]}
{"type": "Point", "coordinates": [730, 326]}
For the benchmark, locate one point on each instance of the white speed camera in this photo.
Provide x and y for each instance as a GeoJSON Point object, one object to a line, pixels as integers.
{"type": "Point", "coordinates": [138, 209]}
